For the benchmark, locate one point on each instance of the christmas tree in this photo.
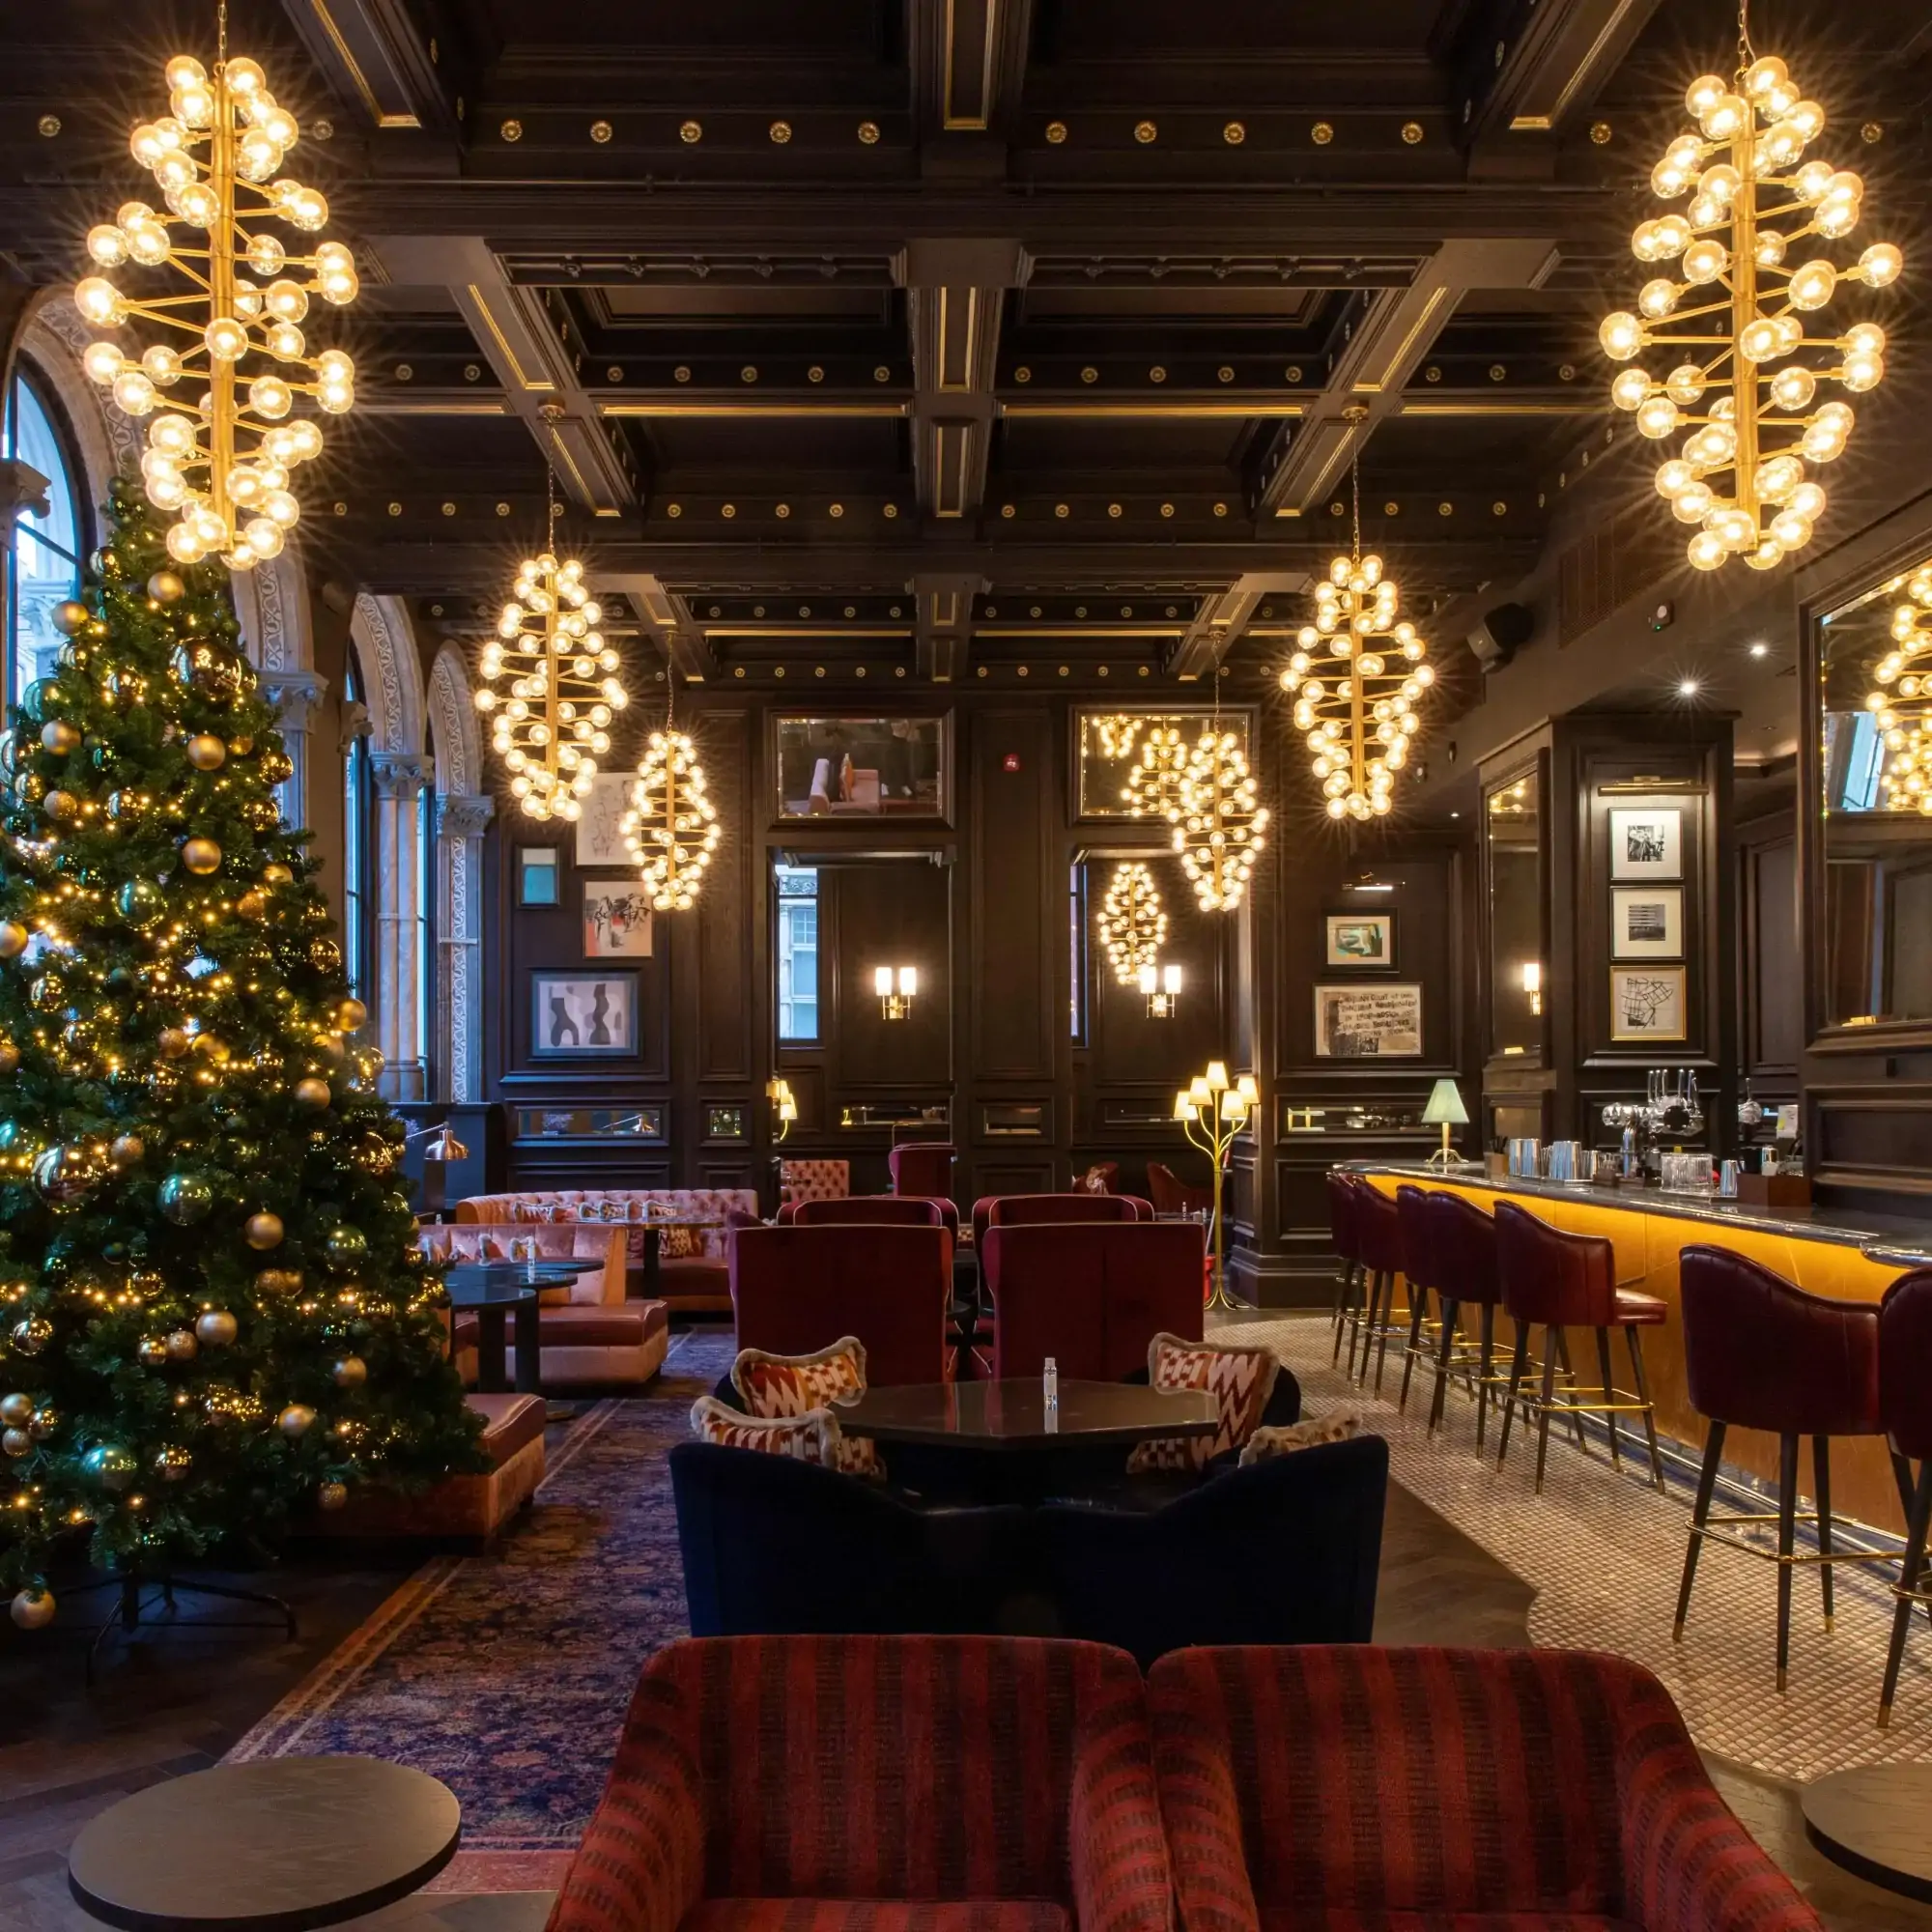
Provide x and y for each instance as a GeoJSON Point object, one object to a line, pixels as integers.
{"type": "Point", "coordinates": [213, 1312]}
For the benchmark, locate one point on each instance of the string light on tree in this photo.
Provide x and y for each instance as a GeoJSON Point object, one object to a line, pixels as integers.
{"type": "Point", "coordinates": [1903, 702]}
{"type": "Point", "coordinates": [1357, 676]}
{"type": "Point", "coordinates": [221, 386]}
{"type": "Point", "coordinates": [550, 721]}
{"type": "Point", "coordinates": [1752, 248]}
{"type": "Point", "coordinates": [1133, 921]}
{"type": "Point", "coordinates": [672, 827]}
{"type": "Point", "coordinates": [1217, 821]}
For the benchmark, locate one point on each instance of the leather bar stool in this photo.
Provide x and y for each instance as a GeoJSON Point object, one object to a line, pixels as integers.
{"type": "Point", "coordinates": [1905, 1406]}
{"type": "Point", "coordinates": [1570, 1281]}
{"type": "Point", "coordinates": [1419, 1271]}
{"type": "Point", "coordinates": [1462, 1244]}
{"type": "Point", "coordinates": [1348, 1255]}
{"type": "Point", "coordinates": [1761, 1354]}
{"type": "Point", "coordinates": [1378, 1240]}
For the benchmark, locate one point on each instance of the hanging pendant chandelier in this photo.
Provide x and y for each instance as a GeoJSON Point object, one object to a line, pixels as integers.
{"type": "Point", "coordinates": [672, 827]}
{"type": "Point", "coordinates": [1748, 362]}
{"type": "Point", "coordinates": [219, 456]}
{"type": "Point", "coordinates": [550, 721]}
{"type": "Point", "coordinates": [1133, 921]}
{"type": "Point", "coordinates": [1902, 702]}
{"type": "Point", "coordinates": [1357, 677]}
{"type": "Point", "coordinates": [1153, 789]}
{"type": "Point", "coordinates": [1115, 735]}
{"type": "Point", "coordinates": [1217, 824]}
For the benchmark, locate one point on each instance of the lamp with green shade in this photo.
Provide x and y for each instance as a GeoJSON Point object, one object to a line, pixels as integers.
{"type": "Point", "coordinates": [1445, 1108]}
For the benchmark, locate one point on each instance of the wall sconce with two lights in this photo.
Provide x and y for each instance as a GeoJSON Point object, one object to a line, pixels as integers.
{"type": "Point", "coordinates": [896, 987]}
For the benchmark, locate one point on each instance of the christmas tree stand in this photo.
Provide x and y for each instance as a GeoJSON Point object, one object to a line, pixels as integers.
{"type": "Point", "coordinates": [138, 1598]}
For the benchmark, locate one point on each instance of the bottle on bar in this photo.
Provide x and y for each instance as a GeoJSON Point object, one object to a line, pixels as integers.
{"type": "Point", "coordinates": [1049, 1384]}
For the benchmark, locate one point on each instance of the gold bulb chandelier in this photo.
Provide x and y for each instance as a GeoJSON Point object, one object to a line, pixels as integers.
{"type": "Point", "coordinates": [1217, 824]}
{"type": "Point", "coordinates": [1745, 385]}
{"type": "Point", "coordinates": [1902, 702]}
{"type": "Point", "coordinates": [221, 462]}
{"type": "Point", "coordinates": [550, 722]}
{"type": "Point", "coordinates": [1133, 921]}
{"type": "Point", "coordinates": [672, 827]}
{"type": "Point", "coordinates": [1355, 677]}
{"type": "Point", "coordinates": [1153, 789]}
{"type": "Point", "coordinates": [1115, 735]}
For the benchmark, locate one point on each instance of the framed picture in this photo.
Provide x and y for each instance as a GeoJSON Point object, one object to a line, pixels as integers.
{"type": "Point", "coordinates": [1646, 843]}
{"type": "Point", "coordinates": [1361, 939]}
{"type": "Point", "coordinates": [583, 1015]}
{"type": "Point", "coordinates": [600, 835]}
{"type": "Point", "coordinates": [539, 876]}
{"type": "Point", "coordinates": [1647, 1002]}
{"type": "Point", "coordinates": [1647, 922]}
{"type": "Point", "coordinates": [724, 1122]}
{"type": "Point", "coordinates": [616, 921]}
{"type": "Point", "coordinates": [1368, 1022]}
{"type": "Point", "coordinates": [865, 768]}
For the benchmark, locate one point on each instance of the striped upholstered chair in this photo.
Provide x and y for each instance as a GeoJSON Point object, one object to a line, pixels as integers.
{"type": "Point", "coordinates": [1332, 1787]}
{"type": "Point", "coordinates": [877, 1785]}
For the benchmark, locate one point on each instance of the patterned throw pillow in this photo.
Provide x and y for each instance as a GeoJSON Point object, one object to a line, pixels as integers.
{"type": "Point", "coordinates": [1240, 1380]}
{"type": "Point", "coordinates": [775, 1385]}
{"type": "Point", "coordinates": [494, 1249]}
{"type": "Point", "coordinates": [1092, 1181]}
{"type": "Point", "coordinates": [1265, 1444]}
{"type": "Point", "coordinates": [811, 1437]}
{"type": "Point", "coordinates": [680, 1245]}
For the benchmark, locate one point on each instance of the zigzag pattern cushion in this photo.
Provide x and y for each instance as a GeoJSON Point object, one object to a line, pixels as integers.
{"type": "Point", "coordinates": [811, 1437]}
{"type": "Point", "coordinates": [1240, 1379]}
{"type": "Point", "coordinates": [778, 1386]}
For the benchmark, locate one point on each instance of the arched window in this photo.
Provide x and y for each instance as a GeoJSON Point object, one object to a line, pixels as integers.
{"type": "Point", "coordinates": [424, 915]}
{"type": "Point", "coordinates": [43, 553]}
{"type": "Point", "coordinates": [358, 843]}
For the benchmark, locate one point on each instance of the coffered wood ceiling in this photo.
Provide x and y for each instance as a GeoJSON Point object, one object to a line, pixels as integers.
{"type": "Point", "coordinates": [922, 332]}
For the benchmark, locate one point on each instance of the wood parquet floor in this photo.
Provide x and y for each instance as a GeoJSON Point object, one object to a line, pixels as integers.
{"type": "Point", "coordinates": [167, 1705]}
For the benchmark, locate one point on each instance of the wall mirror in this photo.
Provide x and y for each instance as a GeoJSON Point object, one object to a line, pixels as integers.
{"type": "Point", "coordinates": [1875, 771]}
{"type": "Point", "coordinates": [1147, 750]}
{"type": "Point", "coordinates": [864, 768]}
{"type": "Point", "coordinates": [1513, 837]}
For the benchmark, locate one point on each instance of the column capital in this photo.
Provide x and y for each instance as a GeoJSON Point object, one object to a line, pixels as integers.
{"type": "Point", "coordinates": [294, 693]}
{"type": "Point", "coordinates": [399, 775]}
{"type": "Point", "coordinates": [463, 815]}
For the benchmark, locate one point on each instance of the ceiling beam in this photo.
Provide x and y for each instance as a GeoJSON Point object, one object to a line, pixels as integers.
{"type": "Point", "coordinates": [374, 59]}
{"type": "Point", "coordinates": [954, 292]}
{"type": "Point", "coordinates": [1387, 340]}
{"type": "Point", "coordinates": [1220, 621]}
{"type": "Point", "coordinates": [945, 623]}
{"type": "Point", "coordinates": [514, 329]}
{"type": "Point", "coordinates": [968, 61]}
{"type": "Point", "coordinates": [664, 616]}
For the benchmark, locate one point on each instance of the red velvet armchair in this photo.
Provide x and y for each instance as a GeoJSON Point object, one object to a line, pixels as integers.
{"type": "Point", "coordinates": [898, 1211]}
{"type": "Point", "coordinates": [1338, 1788]}
{"type": "Point", "coordinates": [922, 1167]}
{"type": "Point", "coordinates": [877, 1785]}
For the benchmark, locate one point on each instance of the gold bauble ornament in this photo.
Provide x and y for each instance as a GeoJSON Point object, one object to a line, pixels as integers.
{"type": "Point", "coordinates": [312, 1093]}
{"type": "Point", "coordinates": [62, 805]}
{"type": "Point", "coordinates": [201, 856]}
{"type": "Point", "coordinates": [126, 1150]}
{"type": "Point", "coordinates": [17, 1411]}
{"type": "Point", "coordinates": [216, 1328]}
{"type": "Point", "coordinates": [277, 875]}
{"type": "Point", "coordinates": [172, 1464]}
{"type": "Point", "coordinates": [70, 618]}
{"type": "Point", "coordinates": [34, 1609]}
{"type": "Point", "coordinates": [151, 1351]}
{"type": "Point", "coordinates": [15, 1442]}
{"type": "Point", "coordinates": [350, 1372]}
{"type": "Point", "coordinates": [331, 1496]}
{"type": "Point", "coordinates": [173, 1043]}
{"type": "Point", "coordinates": [265, 1230]}
{"type": "Point", "coordinates": [296, 1421]}
{"type": "Point", "coordinates": [46, 1421]}
{"type": "Point", "coordinates": [241, 745]}
{"type": "Point", "coordinates": [181, 1346]}
{"type": "Point", "coordinates": [252, 904]}
{"type": "Point", "coordinates": [59, 737]}
{"type": "Point", "coordinates": [147, 1283]}
{"type": "Point", "coordinates": [165, 587]}
{"type": "Point", "coordinates": [9, 1057]}
{"type": "Point", "coordinates": [205, 752]}
{"type": "Point", "coordinates": [349, 1014]}
{"type": "Point", "coordinates": [13, 939]}
{"type": "Point", "coordinates": [279, 1281]}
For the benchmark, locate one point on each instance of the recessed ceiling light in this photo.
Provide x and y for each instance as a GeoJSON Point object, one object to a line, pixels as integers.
{"type": "Point", "coordinates": [1760, 651]}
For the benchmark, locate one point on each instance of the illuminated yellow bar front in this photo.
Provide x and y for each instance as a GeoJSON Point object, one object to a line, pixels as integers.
{"type": "Point", "coordinates": [1648, 1244]}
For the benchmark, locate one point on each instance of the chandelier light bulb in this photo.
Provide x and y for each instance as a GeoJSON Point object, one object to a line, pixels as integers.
{"type": "Point", "coordinates": [1133, 921]}
{"type": "Point", "coordinates": [223, 136]}
{"type": "Point", "coordinates": [1217, 821]}
{"type": "Point", "coordinates": [671, 829]}
{"type": "Point", "coordinates": [1747, 392]}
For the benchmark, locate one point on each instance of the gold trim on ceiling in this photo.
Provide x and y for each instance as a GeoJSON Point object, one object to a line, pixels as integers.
{"type": "Point", "coordinates": [750, 408]}
{"type": "Point", "coordinates": [968, 123]}
{"type": "Point", "coordinates": [1263, 407]}
{"type": "Point", "coordinates": [1499, 410]}
{"type": "Point", "coordinates": [356, 73]}
{"type": "Point", "coordinates": [490, 321]}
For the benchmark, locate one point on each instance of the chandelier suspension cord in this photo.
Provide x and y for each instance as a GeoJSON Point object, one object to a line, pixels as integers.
{"type": "Point", "coordinates": [1747, 53]}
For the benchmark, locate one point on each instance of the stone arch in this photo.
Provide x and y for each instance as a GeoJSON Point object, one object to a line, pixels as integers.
{"type": "Point", "coordinates": [52, 338]}
{"type": "Point", "coordinates": [463, 813]}
{"type": "Point", "coordinates": [459, 739]}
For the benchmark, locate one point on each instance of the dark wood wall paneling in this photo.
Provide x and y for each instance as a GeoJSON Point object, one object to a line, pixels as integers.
{"type": "Point", "coordinates": [1771, 981]}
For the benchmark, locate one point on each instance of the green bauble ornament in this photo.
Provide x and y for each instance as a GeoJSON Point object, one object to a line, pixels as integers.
{"type": "Point", "coordinates": [109, 1466]}
{"type": "Point", "coordinates": [40, 699]}
{"type": "Point", "coordinates": [141, 903]}
{"type": "Point", "coordinates": [18, 1137]}
{"type": "Point", "coordinates": [345, 1248]}
{"type": "Point", "coordinates": [184, 1198]}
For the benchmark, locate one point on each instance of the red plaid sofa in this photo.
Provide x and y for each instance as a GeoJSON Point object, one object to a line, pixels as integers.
{"type": "Point", "coordinates": [1331, 1788]}
{"type": "Point", "coordinates": [877, 1785]}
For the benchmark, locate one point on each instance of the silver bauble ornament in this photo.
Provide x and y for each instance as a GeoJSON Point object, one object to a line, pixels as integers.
{"type": "Point", "coordinates": [15, 1442]}
{"type": "Point", "coordinates": [345, 1246]}
{"type": "Point", "coordinates": [110, 1465]}
{"type": "Point", "coordinates": [126, 1150]}
{"type": "Point", "coordinates": [46, 1421]}
{"type": "Point", "coordinates": [62, 1175]}
{"type": "Point", "coordinates": [215, 1327]}
{"type": "Point", "coordinates": [184, 1198]}
{"type": "Point", "coordinates": [296, 1421]}
{"type": "Point", "coordinates": [34, 1609]}
{"type": "Point", "coordinates": [33, 1334]}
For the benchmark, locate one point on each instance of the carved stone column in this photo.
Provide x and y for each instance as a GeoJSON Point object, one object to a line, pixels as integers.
{"type": "Point", "coordinates": [461, 820]}
{"type": "Point", "coordinates": [399, 778]}
{"type": "Point", "coordinates": [294, 693]}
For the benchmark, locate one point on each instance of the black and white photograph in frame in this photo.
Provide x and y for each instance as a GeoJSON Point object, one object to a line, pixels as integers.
{"type": "Point", "coordinates": [1368, 1022]}
{"type": "Point", "coordinates": [1360, 939]}
{"type": "Point", "coordinates": [582, 1015]}
{"type": "Point", "coordinates": [617, 920]}
{"type": "Point", "coordinates": [599, 831]}
{"type": "Point", "coordinates": [1647, 922]}
{"type": "Point", "coordinates": [1647, 1002]}
{"type": "Point", "coordinates": [1647, 842]}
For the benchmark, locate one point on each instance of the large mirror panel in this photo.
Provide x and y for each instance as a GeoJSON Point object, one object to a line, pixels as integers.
{"type": "Point", "coordinates": [1513, 832]}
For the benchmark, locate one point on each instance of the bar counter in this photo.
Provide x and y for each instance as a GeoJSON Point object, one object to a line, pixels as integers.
{"type": "Point", "coordinates": [1843, 1256]}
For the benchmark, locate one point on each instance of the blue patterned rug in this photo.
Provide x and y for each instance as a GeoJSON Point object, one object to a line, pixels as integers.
{"type": "Point", "coordinates": [507, 1677]}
